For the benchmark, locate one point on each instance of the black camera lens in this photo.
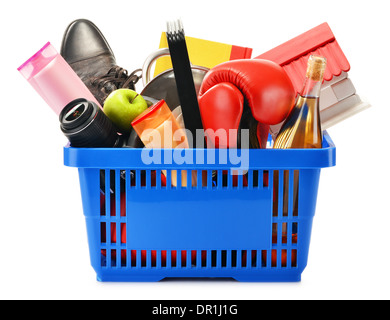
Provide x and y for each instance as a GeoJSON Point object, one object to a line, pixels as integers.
{"type": "Point", "coordinates": [75, 112]}
{"type": "Point", "coordinates": [86, 126]}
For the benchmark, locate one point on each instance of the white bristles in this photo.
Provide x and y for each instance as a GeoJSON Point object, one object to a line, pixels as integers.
{"type": "Point", "coordinates": [169, 27]}
{"type": "Point", "coordinates": [175, 26]}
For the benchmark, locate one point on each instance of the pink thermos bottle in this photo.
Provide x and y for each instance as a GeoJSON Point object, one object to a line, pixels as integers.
{"type": "Point", "coordinates": [53, 78]}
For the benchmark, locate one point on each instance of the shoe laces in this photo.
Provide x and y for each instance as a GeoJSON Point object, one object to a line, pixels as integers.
{"type": "Point", "coordinates": [117, 77]}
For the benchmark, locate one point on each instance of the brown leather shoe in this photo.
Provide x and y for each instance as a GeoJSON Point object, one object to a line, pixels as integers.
{"type": "Point", "coordinates": [88, 53]}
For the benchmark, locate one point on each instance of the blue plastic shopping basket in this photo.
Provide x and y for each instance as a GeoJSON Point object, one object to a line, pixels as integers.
{"type": "Point", "coordinates": [251, 227]}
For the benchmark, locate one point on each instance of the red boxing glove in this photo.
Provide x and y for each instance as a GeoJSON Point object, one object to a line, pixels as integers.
{"type": "Point", "coordinates": [263, 84]}
{"type": "Point", "coordinates": [221, 108]}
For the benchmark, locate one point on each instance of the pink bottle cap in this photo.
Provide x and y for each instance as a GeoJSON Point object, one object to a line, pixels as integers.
{"type": "Point", "coordinates": [38, 61]}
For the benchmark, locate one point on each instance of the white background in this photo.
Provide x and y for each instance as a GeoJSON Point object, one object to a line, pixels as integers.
{"type": "Point", "coordinates": [43, 245]}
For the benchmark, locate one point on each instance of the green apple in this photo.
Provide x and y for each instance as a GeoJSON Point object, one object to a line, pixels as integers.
{"type": "Point", "coordinates": [122, 106]}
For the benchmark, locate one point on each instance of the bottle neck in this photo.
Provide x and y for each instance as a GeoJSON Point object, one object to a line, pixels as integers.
{"type": "Point", "coordinates": [311, 88]}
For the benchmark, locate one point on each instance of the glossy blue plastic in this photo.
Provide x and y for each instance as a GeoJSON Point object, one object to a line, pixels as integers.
{"type": "Point", "coordinates": [251, 227]}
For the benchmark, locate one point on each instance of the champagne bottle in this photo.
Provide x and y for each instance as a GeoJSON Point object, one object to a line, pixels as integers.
{"type": "Point", "coordinates": [302, 128]}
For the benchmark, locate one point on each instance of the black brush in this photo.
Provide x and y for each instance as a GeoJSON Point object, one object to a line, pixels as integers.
{"type": "Point", "coordinates": [184, 80]}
